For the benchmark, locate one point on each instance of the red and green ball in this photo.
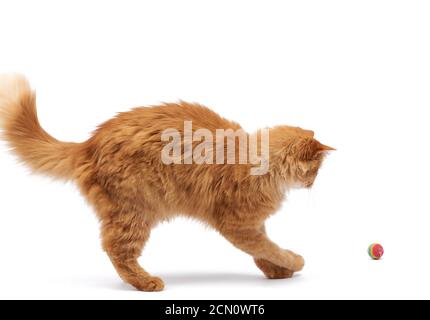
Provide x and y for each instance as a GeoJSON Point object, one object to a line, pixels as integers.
{"type": "Point", "coordinates": [375, 251]}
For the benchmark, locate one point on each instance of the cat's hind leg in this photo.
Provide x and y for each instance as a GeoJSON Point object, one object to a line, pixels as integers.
{"type": "Point", "coordinates": [124, 236]}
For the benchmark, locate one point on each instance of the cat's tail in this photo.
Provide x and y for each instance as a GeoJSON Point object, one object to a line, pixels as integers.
{"type": "Point", "coordinates": [20, 127]}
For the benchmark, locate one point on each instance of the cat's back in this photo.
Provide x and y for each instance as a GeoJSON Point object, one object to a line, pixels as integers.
{"type": "Point", "coordinates": [155, 119]}
{"type": "Point", "coordinates": [173, 116]}
{"type": "Point", "coordinates": [138, 133]}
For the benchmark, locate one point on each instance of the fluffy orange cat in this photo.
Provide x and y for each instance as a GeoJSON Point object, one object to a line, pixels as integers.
{"type": "Point", "coordinates": [120, 172]}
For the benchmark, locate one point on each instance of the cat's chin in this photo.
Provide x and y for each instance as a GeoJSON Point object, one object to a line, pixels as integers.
{"type": "Point", "coordinates": [308, 185]}
{"type": "Point", "coordinates": [295, 185]}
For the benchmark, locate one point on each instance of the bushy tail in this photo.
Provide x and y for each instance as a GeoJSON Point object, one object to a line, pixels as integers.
{"type": "Point", "coordinates": [21, 129]}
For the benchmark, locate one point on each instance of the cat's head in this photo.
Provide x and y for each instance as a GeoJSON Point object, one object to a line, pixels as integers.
{"type": "Point", "coordinates": [297, 155]}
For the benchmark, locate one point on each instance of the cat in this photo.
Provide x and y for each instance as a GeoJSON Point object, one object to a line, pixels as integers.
{"type": "Point", "coordinates": [120, 173]}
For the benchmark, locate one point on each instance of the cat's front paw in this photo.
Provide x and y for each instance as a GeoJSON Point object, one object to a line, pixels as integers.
{"type": "Point", "coordinates": [297, 261]}
{"type": "Point", "coordinates": [272, 271]}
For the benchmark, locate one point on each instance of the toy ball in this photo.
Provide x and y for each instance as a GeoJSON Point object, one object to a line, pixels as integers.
{"type": "Point", "coordinates": [376, 251]}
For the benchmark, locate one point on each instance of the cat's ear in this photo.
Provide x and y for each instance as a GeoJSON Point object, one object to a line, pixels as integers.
{"type": "Point", "coordinates": [323, 147]}
{"type": "Point", "coordinates": [309, 149]}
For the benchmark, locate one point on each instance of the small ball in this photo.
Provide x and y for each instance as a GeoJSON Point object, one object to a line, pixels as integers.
{"type": "Point", "coordinates": [376, 251]}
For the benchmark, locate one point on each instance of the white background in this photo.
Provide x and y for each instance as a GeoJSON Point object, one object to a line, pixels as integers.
{"type": "Point", "coordinates": [356, 72]}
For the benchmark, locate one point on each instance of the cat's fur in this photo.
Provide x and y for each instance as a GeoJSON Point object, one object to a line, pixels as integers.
{"type": "Point", "coordinates": [119, 172]}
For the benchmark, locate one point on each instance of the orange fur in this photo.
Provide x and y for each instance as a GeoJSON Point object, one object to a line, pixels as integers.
{"type": "Point", "coordinates": [120, 173]}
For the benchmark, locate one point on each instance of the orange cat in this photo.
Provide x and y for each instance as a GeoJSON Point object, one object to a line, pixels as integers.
{"type": "Point", "coordinates": [121, 173]}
